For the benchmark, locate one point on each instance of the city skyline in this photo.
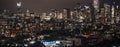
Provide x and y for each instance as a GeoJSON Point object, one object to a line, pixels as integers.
{"type": "Point", "coordinates": [60, 23]}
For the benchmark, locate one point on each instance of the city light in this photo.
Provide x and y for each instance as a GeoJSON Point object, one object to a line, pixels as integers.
{"type": "Point", "coordinates": [26, 45]}
{"type": "Point", "coordinates": [19, 4]}
{"type": "Point", "coordinates": [91, 24]}
{"type": "Point", "coordinates": [32, 42]}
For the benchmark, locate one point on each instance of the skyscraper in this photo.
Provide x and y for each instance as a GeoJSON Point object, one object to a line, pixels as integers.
{"type": "Point", "coordinates": [66, 13]}
{"type": "Point", "coordinates": [107, 13]}
{"type": "Point", "coordinates": [96, 5]}
{"type": "Point", "coordinates": [19, 4]}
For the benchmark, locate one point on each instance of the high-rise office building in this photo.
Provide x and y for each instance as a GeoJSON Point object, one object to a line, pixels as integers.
{"type": "Point", "coordinates": [96, 5]}
{"type": "Point", "coordinates": [19, 11]}
{"type": "Point", "coordinates": [107, 9]}
{"type": "Point", "coordinates": [66, 13]}
{"type": "Point", "coordinates": [19, 4]}
{"type": "Point", "coordinates": [27, 12]}
{"type": "Point", "coordinates": [43, 16]}
{"type": "Point", "coordinates": [60, 16]}
{"type": "Point", "coordinates": [113, 11]}
{"type": "Point", "coordinates": [87, 14]}
{"type": "Point", "coordinates": [107, 13]}
{"type": "Point", "coordinates": [54, 13]}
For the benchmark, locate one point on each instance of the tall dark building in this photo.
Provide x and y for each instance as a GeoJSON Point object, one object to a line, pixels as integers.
{"type": "Point", "coordinates": [66, 13]}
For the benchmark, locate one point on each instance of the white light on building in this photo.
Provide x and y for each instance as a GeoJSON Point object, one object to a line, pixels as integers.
{"type": "Point", "coordinates": [117, 6]}
{"type": "Point", "coordinates": [86, 7]}
{"type": "Point", "coordinates": [113, 11]}
{"type": "Point", "coordinates": [60, 16]}
{"type": "Point", "coordinates": [32, 42]}
{"type": "Point", "coordinates": [47, 18]}
{"type": "Point", "coordinates": [26, 45]}
{"type": "Point", "coordinates": [19, 4]}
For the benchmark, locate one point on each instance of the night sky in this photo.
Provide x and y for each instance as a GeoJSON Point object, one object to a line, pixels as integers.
{"type": "Point", "coordinates": [41, 5]}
